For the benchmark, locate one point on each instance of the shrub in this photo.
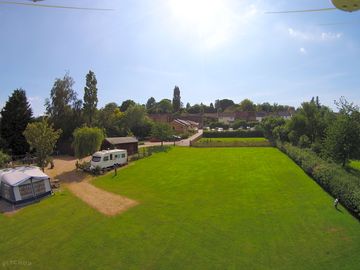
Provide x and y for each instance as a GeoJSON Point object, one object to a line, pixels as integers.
{"type": "Point", "coordinates": [304, 141]}
{"type": "Point", "coordinates": [330, 176]}
{"type": "Point", "coordinates": [4, 159]}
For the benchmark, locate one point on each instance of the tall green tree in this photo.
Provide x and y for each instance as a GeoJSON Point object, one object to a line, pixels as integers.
{"type": "Point", "coordinates": [161, 131]}
{"type": "Point", "coordinates": [90, 98]}
{"type": "Point", "coordinates": [164, 106]}
{"type": "Point", "coordinates": [136, 121]}
{"type": "Point", "coordinates": [342, 141]}
{"type": "Point", "coordinates": [176, 102]}
{"type": "Point", "coordinates": [151, 105]}
{"type": "Point", "coordinates": [247, 106]}
{"type": "Point", "coordinates": [42, 138]}
{"type": "Point", "coordinates": [87, 140]}
{"type": "Point", "coordinates": [222, 104]}
{"type": "Point", "coordinates": [63, 107]}
{"type": "Point", "coordinates": [110, 119]}
{"type": "Point", "coordinates": [15, 116]}
{"type": "Point", "coordinates": [126, 104]}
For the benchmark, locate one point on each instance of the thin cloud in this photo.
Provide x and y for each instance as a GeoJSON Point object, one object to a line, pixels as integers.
{"type": "Point", "coordinates": [313, 36]}
{"type": "Point", "coordinates": [303, 51]}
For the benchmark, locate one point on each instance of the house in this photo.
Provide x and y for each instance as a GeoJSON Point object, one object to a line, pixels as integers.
{"type": "Point", "coordinates": [226, 118]}
{"type": "Point", "coordinates": [130, 144]}
{"type": "Point", "coordinates": [260, 116]}
{"type": "Point", "coordinates": [24, 184]}
{"type": "Point", "coordinates": [285, 115]}
{"type": "Point", "coordinates": [181, 126]}
{"type": "Point", "coordinates": [161, 118]}
{"type": "Point", "coordinates": [246, 116]}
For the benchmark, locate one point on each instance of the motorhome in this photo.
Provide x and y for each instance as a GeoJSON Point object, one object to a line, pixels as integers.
{"type": "Point", "coordinates": [109, 158]}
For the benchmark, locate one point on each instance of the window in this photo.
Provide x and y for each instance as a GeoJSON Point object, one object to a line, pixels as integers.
{"type": "Point", "coordinates": [123, 155]}
{"type": "Point", "coordinates": [26, 191]}
{"type": "Point", "coordinates": [39, 187]}
{"type": "Point", "coordinates": [106, 158]}
{"type": "Point", "coordinates": [116, 156]}
{"type": "Point", "coordinates": [96, 159]}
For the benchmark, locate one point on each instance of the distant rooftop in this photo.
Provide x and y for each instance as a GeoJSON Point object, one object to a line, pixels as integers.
{"type": "Point", "coordinates": [120, 140]}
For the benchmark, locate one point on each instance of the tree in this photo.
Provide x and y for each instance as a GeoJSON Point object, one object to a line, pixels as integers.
{"type": "Point", "coordinates": [136, 121]}
{"type": "Point", "coordinates": [247, 106]}
{"type": "Point", "coordinates": [342, 141]}
{"type": "Point", "coordinates": [4, 158]}
{"type": "Point", "coordinates": [194, 109]}
{"type": "Point", "coordinates": [176, 102]}
{"type": "Point", "coordinates": [223, 104]}
{"type": "Point", "coordinates": [63, 107]}
{"type": "Point", "coordinates": [15, 116]}
{"type": "Point", "coordinates": [188, 106]}
{"type": "Point", "coordinates": [126, 104]}
{"type": "Point", "coordinates": [110, 118]}
{"type": "Point", "coordinates": [87, 140]}
{"type": "Point", "coordinates": [90, 97]}
{"type": "Point", "coordinates": [150, 105]}
{"type": "Point", "coordinates": [164, 106]}
{"type": "Point", "coordinates": [161, 131]}
{"type": "Point", "coordinates": [269, 124]}
{"type": "Point", "coordinates": [42, 138]}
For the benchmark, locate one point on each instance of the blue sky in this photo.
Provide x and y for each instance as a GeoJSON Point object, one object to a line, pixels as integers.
{"type": "Point", "coordinates": [211, 49]}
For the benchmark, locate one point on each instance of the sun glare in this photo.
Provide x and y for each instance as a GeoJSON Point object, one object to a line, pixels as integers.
{"type": "Point", "coordinates": [212, 22]}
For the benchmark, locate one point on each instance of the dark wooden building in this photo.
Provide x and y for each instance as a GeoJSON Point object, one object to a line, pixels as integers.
{"type": "Point", "coordinates": [130, 144]}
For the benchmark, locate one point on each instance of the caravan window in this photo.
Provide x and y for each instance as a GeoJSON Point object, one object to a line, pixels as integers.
{"type": "Point", "coordinates": [116, 156]}
{"type": "Point", "coordinates": [106, 158]}
{"type": "Point", "coordinates": [123, 155]}
{"type": "Point", "coordinates": [96, 159]}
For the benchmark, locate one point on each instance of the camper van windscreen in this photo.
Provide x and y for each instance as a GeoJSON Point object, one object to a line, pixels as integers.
{"type": "Point", "coordinates": [96, 159]}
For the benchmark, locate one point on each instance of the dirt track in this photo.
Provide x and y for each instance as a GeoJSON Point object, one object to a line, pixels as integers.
{"type": "Point", "coordinates": [78, 183]}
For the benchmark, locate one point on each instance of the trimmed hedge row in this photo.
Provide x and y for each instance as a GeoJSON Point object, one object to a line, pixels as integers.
{"type": "Point", "coordinates": [233, 134]}
{"type": "Point", "coordinates": [331, 177]}
{"type": "Point", "coordinates": [205, 144]}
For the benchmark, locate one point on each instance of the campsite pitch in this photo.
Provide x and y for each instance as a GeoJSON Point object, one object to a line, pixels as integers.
{"type": "Point", "coordinates": [223, 208]}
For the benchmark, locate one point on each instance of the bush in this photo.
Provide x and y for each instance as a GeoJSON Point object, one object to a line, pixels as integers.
{"type": "Point", "coordinates": [4, 159]}
{"type": "Point", "coordinates": [234, 134]}
{"type": "Point", "coordinates": [304, 141]}
{"type": "Point", "coordinates": [330, 176]}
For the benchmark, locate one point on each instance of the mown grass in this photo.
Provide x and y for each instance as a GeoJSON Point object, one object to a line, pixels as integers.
{"type": "Point", "coordinates": [355, 164]}
{"type": "Point", "coordinates": [224, 208]}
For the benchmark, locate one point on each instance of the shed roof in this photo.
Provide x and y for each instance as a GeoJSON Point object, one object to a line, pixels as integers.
{"type": "Point", "coordinates": [16, 176]}
{"type": "Point", "coordinates": [121, 140]}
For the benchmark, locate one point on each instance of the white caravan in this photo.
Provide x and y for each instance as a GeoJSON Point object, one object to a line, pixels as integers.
{"type": "Point", "coordinates": [109, 158]}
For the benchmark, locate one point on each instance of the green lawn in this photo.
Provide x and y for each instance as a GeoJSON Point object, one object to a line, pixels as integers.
{"type": "Point", "coordinates": [223, 208]}
{"type": "Point", "coordinates": [355, 164]}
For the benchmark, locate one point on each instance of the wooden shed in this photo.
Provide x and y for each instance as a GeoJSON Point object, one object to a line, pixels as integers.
{"type": "Point", "coordinates": [130, 144]}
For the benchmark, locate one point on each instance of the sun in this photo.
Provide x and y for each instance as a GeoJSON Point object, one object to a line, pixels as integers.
{"type": "Point", "coordinates": [207, 21]}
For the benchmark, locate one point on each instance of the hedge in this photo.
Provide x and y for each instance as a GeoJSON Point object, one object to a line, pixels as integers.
{"type": "Point", "coordinates": [330, 176]}
{"type": "Point", "coordinates": [205, 144]}
{"type": "Point", "coordinates": [233, 134]}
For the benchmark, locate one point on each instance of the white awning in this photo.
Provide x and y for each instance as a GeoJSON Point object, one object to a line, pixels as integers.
{"type": "Point", "coordinates": [19, 175]}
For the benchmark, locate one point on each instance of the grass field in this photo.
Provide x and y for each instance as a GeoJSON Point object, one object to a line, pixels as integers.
{"type": "Point", "coordinates": [232, 142]}
{"type": "Point", "coordinates": [223, 208]}
{"type": "Point", "coordinates": [355, 164]}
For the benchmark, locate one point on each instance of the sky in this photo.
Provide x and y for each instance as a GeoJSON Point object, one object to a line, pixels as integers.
{"type": "Point", "coordinates": [211, 49]}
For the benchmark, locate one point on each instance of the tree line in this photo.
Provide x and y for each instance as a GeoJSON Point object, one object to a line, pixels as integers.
{"type": "Point", "coordinates": [333, 136]}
